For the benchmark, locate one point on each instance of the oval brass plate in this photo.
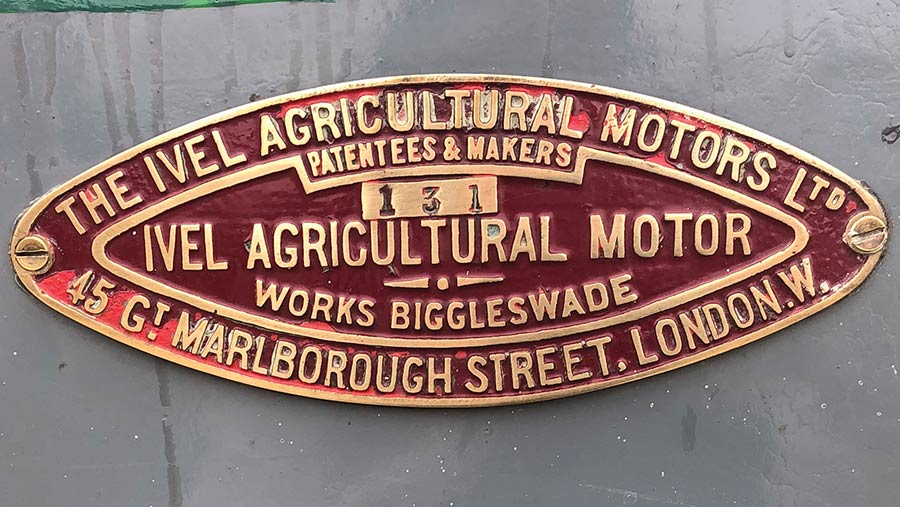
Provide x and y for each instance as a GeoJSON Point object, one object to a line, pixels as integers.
{"type": "Point", "coordinates": [449, 240]}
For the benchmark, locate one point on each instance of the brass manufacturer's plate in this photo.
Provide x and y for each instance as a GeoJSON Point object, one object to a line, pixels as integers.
{"type": "Point", "coordinates": [449, 240]}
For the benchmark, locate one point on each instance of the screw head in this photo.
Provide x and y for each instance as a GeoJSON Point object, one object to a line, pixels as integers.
{"type": "Point", "coordinates": [33, 254]}
{"type": "Point", "coordinates": [866, 234]}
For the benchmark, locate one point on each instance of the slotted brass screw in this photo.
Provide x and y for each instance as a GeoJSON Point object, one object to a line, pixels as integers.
{"type": "Point", "coordinates": [866, 234]}
{"type": "Point", "coordinates": [33, 254]}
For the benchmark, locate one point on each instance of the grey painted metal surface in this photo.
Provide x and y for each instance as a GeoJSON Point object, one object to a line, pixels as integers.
{"type": "Point", "coordinates": [809, 416]}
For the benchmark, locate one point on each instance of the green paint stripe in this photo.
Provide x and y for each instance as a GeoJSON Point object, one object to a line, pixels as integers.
{"type": "Point", "coordinates": [8, 6]}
